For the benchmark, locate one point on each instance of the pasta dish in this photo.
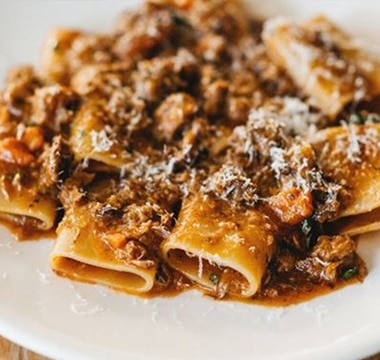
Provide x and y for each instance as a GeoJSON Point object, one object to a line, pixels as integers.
{"type": "Point", "coordinates": [193, 146]}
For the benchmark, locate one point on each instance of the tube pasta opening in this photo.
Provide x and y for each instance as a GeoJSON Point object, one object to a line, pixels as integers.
{"type": "Point", "coordinates": [121, 280]}
{"type": "Point", "coordinates": [357, 224]}
{"type": "Point", "coordinates": [39, 208]}
{"type": "Point", "coordinates": [350, 156]}
{"type": "Point", "coordinates": [324, 75]}
{"type": "Point", "coordinates": [214, 151]}
{"type": "Point", "coordinates": [76, 256]}
{"type": "Point", "coordinates": [213, 274]}
{"type": "Point", "coordinates": [211, 238]}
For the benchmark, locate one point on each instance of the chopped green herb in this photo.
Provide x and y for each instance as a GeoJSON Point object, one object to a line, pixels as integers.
{"type": "Point", "coordinates": [349, 273]}
{"type": "Point", "coordinates": [181, 21]}
{"type": "Point", "coordinates": [355, 119]}
{"type": "Point", "coordinates": [311, 229]}
{"type": "Point", "coordinates": [214, 278]}
{"type": "Point", "coordinates": [373, 118]}
{"type": "Point", "coordinates": [360, 118]}
{"type": "Point", "coordinates": [307, 226]}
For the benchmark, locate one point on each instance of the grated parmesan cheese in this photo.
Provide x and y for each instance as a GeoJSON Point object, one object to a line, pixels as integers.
{"type": "Point", "coordinates": [230, 183]}
{"type": "Point", "coordinates": [278, 162]}
{"type": "Point", "coordinates": [100, 141]}
{"type": "Point", "coordinates": [353, 149]}
{"type": "Point", "coordinates": [3, 187]}
{"type": "Point", "coordinates": [200, 267]}
{"type": "Point", "coordinates": [292, 114]}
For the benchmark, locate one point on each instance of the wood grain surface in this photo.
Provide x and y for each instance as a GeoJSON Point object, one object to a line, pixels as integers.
{"type": "Point", "coordinates": [11, 351]}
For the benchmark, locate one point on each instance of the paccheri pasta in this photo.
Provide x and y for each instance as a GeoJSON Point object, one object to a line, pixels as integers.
{"type": "Point", "coordinates": [194, 146]}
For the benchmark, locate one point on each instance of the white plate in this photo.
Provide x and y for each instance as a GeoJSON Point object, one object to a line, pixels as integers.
{"type": "Point", "coordinates": [66, 320]}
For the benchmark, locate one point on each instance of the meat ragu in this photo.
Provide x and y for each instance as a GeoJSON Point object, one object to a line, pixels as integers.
{"type": "Point", "coordinates": [193, 146]}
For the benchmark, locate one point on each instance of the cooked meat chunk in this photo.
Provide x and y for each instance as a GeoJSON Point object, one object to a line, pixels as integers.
{"type": "Point", "coordinates": [54, 107]}
{"type": "Point", "coordinates": [20, 84]}
{"type": "Point", "coordinates": [213, 48]}
{"type": "Point", "coordinates": [285, 163]}
{"type": "Point", "coordinates": [136, 253]}
{"type": "Point", "coordinates": [292, 206]}
{"type": "Point", "coordinates": [238, 108]}
{"type": "Point", "coordinates": [334, 249]}
{"type": "Point", "coordinates": [329, 256]}
{"type": "Point", "coordinates": [129, 110]}
{"type": "Point", "coordinates": [144, 33]}
{"type": "Point", "coordinates": [231, 184]}
{"type": "Point", "coordinates": [173, 113]}
{"type": "Point", "coordinates": [215, 98]}
{"type": "Point", "coordinates": [55, 167]}
{"type": "Point", "coordinates": [101, 79]}
{"type": "Point", "coordinates": [15, 152]}
{"type": "Point", "coordinates": [33, 137]}
{"type": "Point", "coordinates": [222, 17]}
{"type": "Point", "coordinates": [157, 78]}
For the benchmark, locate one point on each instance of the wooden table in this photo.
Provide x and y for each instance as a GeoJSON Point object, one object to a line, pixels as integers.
{"type": "Point", "coordinates": [11, 351]}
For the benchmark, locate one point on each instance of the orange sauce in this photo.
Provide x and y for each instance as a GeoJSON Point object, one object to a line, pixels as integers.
{"type": "Point", "coordinates": [25, 232]}
{"type": "Point", "coordinates": [291, 297]}
{"type": "Point", "coordinates": [278, 294]}
{"type": "Point", "coordinates": [300, 292]}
